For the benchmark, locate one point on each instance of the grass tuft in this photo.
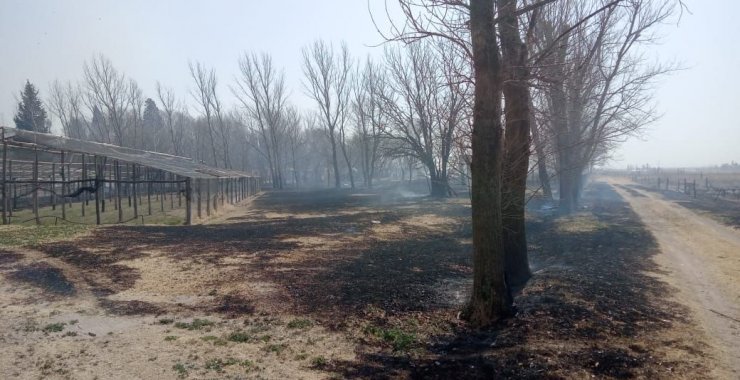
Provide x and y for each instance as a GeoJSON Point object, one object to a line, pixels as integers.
{"type": "Point", "coordinates": [54, 327]}
{"type": "Point", "coordinates": [300, 323]}
{"type": "Point", "coordinates": [400, 340]}
{"type": "Point", "coordinates": [196, 324]}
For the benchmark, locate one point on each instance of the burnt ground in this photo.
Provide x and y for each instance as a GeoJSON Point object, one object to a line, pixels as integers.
{"type": "Point", "coordinates": [391, 274]}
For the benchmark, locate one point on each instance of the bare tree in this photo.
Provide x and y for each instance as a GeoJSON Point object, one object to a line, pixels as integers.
{"type": "Point", "coordinates": [65, 103]}
{"type": "Point", "coordinates": [136, 103]}
{"type": "Point", "coordinates": [424, 108]}
{"type": "Point", "coordinates": [328, 83]}
{"type": "Point", "coordinates": [370, 90]}
{"type": "Point", "coordinates": [205, 81]}
{"type": "Point", "coordinates": [223, 126]}
{"type": "Point", "coordinates": [261, 91]}
{"type": "Point", "coordinates": [108, 89]}
{"type": "Point", "coordinates": [596, 82]}
{"type": "Point", "coordinates": [167, 100]}
{"type": "Point", "coordinates": [295, 139]}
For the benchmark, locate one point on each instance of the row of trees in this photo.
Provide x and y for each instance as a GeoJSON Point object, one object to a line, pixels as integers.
{"type": "Point", "coordinates": [566, 80]}
{"type": "Point", "coordinates": [475, 87]}
{"type": "Point", "coordinates": [406, 111]}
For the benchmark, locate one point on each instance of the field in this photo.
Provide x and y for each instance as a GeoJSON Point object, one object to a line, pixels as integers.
{"type": "Point", "coordinates": [336, 284]}
{"type": "Point", "coordinates": [712, 192]}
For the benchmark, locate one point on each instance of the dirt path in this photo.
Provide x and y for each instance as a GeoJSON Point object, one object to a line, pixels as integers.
{"type": "Point", "coordinates": [703, 261]}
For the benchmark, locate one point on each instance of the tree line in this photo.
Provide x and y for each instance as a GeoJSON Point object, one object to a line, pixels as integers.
{"type": "Point", "coordinates": [485, 89]}
{"type": "Point", "coordinates": [562, 82]}
{"type": "Point", "coordinates": [404, 112]}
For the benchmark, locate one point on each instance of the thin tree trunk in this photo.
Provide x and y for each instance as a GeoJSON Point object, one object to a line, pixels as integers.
{"type": "Point", "coordinates": [337, 179]}
{"type": "Point", "coordinates": [541, 161]}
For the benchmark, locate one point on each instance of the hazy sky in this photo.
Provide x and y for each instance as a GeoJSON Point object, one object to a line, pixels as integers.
{"type": "Point", "coordinates": [153, 40]}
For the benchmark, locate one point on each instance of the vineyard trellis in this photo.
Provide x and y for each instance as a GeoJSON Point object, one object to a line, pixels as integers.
{"type": "Point", "coordinates": [695, 183]}
{"type": "Point", "coordinates": [57, 174]}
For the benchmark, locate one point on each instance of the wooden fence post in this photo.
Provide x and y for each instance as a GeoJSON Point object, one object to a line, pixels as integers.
{"type": "Point", "coordinates": [53, 186]}
{"type": "Point", "coordinates": [215, 197]}
{"type": "Point", "coordinates": [148, 191]}
{"type": "Point", "coordinates": [208, 197]}
{"type": "Point", "coordinates": [36, 185]}
{"type": "Point", "coordinates": [98, 188]}
{"type": "Point", "coordinates": [197, 189]}
{"type": "Point", "coordinates": [64, 188]}
{"type": "Point", "coordinates": [83, 200]}
{"type": "Point", "coordinates": [135, 184]}
{"type": "Point", "coordinates": [161, 194]}
{"type": "Point", "coordinates": [117, 176]}
{"type": "Point", "coordinates": [172, 188]}
{"type": "Point", "coordinates": [5, 185]}
{"type": "Point", "coordinates": [188, 205]}
{"type": "Point", "coordinates": [13, 191]}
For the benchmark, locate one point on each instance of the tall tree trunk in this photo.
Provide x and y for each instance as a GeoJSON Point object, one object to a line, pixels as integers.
{"type": "Point", "coordinates": [516, 153]}
{"type": "Point", "coordinates": [349, 166]}
{"type": "Point", "coordinates": [541, 161]}
{"type": "Point", "coordinates": [337, 180]}
{"type": "Point", "coordinates": [438, 183]}
{"type": "Point", "coordinates": [490, 298]}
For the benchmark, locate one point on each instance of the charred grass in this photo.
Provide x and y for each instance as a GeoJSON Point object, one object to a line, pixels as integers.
{"type": "Point", "coordinates": [593, 307]}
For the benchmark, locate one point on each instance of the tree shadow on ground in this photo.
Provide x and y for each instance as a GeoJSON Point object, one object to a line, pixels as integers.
{"type": "Point", "coordinates": [595, 309]}
{"type": "Point", "coordinates": [360, 270]}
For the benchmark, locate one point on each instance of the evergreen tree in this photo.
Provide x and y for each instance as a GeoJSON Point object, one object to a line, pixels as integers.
{"type": "Point", "coordinates": [31, 115]}
{"type": "Point", "coordinates": [152, 117]}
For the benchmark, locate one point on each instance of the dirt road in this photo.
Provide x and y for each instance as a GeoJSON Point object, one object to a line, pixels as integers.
{"type": "Point", "coordinates": [702, 259]}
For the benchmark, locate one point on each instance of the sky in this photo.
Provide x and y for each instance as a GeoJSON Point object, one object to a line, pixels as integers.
{"type": "Point", "coordinates": [153, 41]}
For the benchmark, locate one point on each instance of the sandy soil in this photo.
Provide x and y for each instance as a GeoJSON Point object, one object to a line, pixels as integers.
{"type": "Point", "coordinates": [702, 257]}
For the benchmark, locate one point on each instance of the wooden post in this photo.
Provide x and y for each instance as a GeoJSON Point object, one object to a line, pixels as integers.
{"type": "Point", "coordinates": [222, 190]}
{"type": "Point", "coordinates": [69, 176]}
{"type": "Point", "coordinates": [101, 181]}
{"type": "Point", "coordinates": [231, 190]}
{"type": "Point", "coordinates": [6, 203]}
{"type": "Point", "coordinates": [694, 186]}
{"type": "Point", "coordinates": [117, 176]}
{"type": "Point", "coordinates": [197, 184]}
{"type": "Point", "coordinates": [706, 182]}
{"type": "Point", "coordinates": [179, 194]}
{"type": "Point", "coordinates": [171, 188]}
{"type": "Point", "coordinates": [86, 196]}
{"type": "Point", "coordinates": [129, 185]}
{"type": "Point", "coordinates": [135, 184]}
{"type": "Point", "coordinates": [98, 189]}
{"type": "Point", "coordinates": [161, 194]}
{"type": "Point", "coordinates": [36, 185]}
{"type": "Point", "coordinates": [53, 186]}
{"type": "Point", "coordinates": [112, 176]}
{"type": "Point", "coordinates": [215, 198]}
{"type": "Point", "coordinates": [188, 205]}
{"type": "Point", "coordinates": [11, 195]}
{"type": "Point", "coordinates": [83, 200]}
{"type": "Point", "coordinates": [64, 189]}
{"type": "Point", "coordinates": [208, 197]}
{"type": "Point", "coordinates": [149, 191]}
